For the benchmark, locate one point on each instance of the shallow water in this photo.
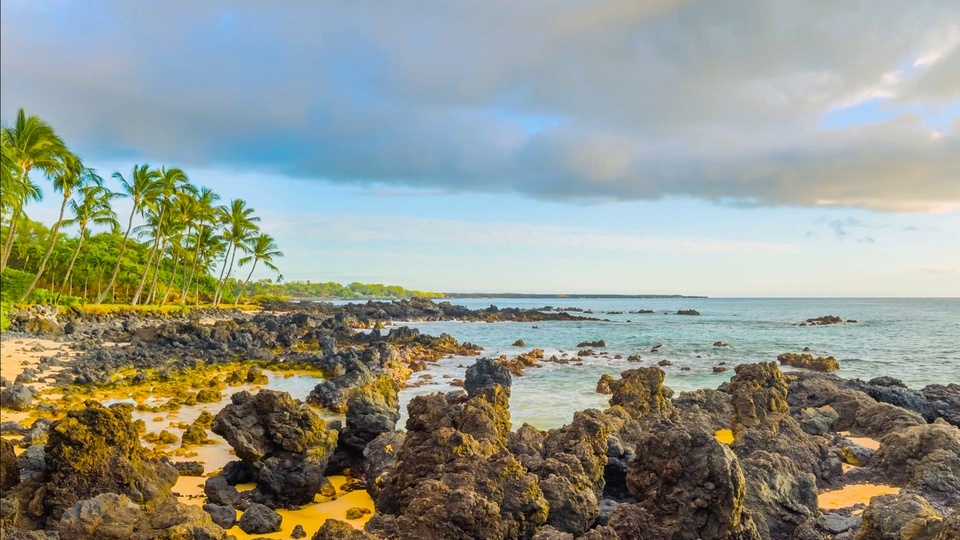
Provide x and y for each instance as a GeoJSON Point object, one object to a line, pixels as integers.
{"type": "Point", "coordinates": [916, 340]}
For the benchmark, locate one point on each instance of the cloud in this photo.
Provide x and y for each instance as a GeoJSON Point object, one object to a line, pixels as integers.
{"type": "Point", "coordinates": [350, 229]}
{"type": "Point", "coordinates": [615, 100]}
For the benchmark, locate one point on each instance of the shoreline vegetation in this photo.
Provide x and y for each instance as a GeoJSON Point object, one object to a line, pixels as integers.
{"type": "Point", "coordinates": [142, 424]}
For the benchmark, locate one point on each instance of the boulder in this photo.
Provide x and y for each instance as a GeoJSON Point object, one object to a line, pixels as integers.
{"type": "Point", "coordinates": [485, 373]}
{"type": "Point", "coordinates": [904, 516]}
{"type": "Point", "coordinates": [818, 421]}
{"type": "Point", "coordinates": [944, 401]}
{"type": "Point", "coordinates": [455, 476]}
{"type": "Point", "coordinates": [219, 492]}
{"type": "Point", "coordinates": [189, 468]}
{"type": "Point", "coordinates": [16, 397]}
{"type": "Point", "coordinates": [807, 361]}
{"type": "Point", "coordinates": [224, 516]}
{"type": "Point", "coordinates": [379, 460]}
{"type": "Point", "coordinates": [97, 450]}
{"type": "Point", "coordinates": [9, 468]}
{"type": "Point", "coordinates": [284, 439]}
{"type": "Point", "coordinates": [780, 496]}
{"type": "Point", "coordinates": [925, 458]}
{"type": "Point", "coordinates": [371, 411]}
{"type": "Point", "coordinates": [109, 516]}
{"type": "Point", "coordinates": [259, 519]}
{"type": "Point", "coordinates": [334, 529]}
{"type": "Point", "coordinates": [687, 486]}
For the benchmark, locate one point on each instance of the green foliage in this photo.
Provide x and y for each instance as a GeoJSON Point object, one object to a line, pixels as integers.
{"type": "Point", "coordinates": [5, 309]}
{"type": "Point", "coordinates": [45, 297]}
{"type": "Point", "coordinates": [331, 290]}
{"type": "Point", "coordinates": [13, 283]}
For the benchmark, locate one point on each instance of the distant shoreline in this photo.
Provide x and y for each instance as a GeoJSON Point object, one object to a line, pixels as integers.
{"type": "Point", "coordinates": [561, 296]}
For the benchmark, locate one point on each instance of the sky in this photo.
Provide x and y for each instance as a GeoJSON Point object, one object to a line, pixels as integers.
{"type": "Point", "coordinates": [703, 147]}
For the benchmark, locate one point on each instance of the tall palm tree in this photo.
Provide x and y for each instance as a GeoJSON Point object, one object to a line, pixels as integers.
{"type": "Point", "coordinates": [74, 175]}
{"type": "Point", "coordinates": [240, 226]}
{"type": "Point", "coordinates": [204, 215]}
{"type": "Point", "coordinates": [171, 181]}
{"type": "Point", "coordinates": [263, 248]}
{"type": "Point", "coordinates": [211, 246]}
{"type": "Point", "coordinates": [31, 144]}
{"type": "Point", "coordinates": [93, 207]}
{"type": "Point", "coordinates": [143, 189]}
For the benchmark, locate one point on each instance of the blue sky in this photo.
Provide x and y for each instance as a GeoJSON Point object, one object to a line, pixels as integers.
{"type": "Point", "coordinates": [670, 147]}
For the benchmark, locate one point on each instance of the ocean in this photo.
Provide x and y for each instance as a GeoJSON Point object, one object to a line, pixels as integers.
{"type": "Point", "coordinates": [915, 340]}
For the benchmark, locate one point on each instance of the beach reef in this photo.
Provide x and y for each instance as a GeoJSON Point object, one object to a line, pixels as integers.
{"type": "Point", "coordinates": [756, 458]}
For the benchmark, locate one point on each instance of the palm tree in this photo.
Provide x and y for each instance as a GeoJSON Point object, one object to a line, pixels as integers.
{"type": "Point", "coordinates": [73, 176]}
{"type": "Point", "coordinates": [240, 228]}
{"type": "Point", "coordinates": [263, 248]}
{"type": "Point", "coordinates": [30, 144]}
{"type": "Point", "coordinates": [211, 246]}
{"type": "Point", "coordinates": [171, 181]}
{"type": "Point", "coordinates": [93, 207]}
{"type": "Point", "coordinates": [205, 214]}
{"type": "Point", "coordinates": [142, 189]}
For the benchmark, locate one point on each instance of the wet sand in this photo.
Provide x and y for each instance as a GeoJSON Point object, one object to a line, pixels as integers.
{"type": "Point", "coordinates": [20, 353]}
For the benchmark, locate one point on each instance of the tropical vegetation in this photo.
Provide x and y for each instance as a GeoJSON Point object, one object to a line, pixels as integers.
{"type": "Point", "coordinates": [177, 245]}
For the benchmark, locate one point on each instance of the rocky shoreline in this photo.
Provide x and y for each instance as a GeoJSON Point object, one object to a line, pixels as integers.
{"type": "Point", "coordinates": [755, 458]}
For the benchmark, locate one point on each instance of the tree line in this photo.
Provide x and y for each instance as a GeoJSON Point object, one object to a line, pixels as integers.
{"type": "Point", "coordinates": [185, 246]}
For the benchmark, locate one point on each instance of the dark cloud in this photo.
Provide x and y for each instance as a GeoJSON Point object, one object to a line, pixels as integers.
{"type": "Point", "coordinates": [608, 100]}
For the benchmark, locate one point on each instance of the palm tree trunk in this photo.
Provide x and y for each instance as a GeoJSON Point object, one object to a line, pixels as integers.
{"type": "Point", "coordinates": [53, 243]}
{"type": "Point", "coordinates": [176, 260]}
{"type": "Point", "coordinates": [196, 258]}
{"type": "Point", "coordinates": [116, 270]}
{"type": "Point", "coordinates": [183, 281]}
{"type": "Point", "coordinates": [223, 270]}
{"type": "Point", "coordinates": [73, 260]}
{"type": "Point", "coordinates": [11, 234]}
{"type": "Point", "coordinates": [233, 257]}
{"type": "Point", "coordinates": [239, 294]}
{"type": "Point", "coordinates": [156, 273]}
{"type": "Point", "coordinates": [146, 272]}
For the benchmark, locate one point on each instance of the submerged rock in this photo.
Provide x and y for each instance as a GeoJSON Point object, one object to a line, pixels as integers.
{"type": "Point", "coordinates": [807, 361]}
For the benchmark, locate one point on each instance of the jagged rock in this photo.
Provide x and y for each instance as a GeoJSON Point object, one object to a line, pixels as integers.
{"type": "Point", "coordinates": [32, 461]}
{"type": "Point", "coordinates": [881, 418]}
{"type": "Point", "coordinates": [284, 438]}
{"type": "Point", "coordinates": [925, 458]}
{"type": "Point", "coordinates": [838, 523]}
{"type": "Point", "coordinates": [224, 516]}
{"type": "Point", "coordinates": [485, 373]}
{"type": "Point", "coordinates": [687, 486]}
{"type": "Point", "coordinates": [710, 408]}
{"type": "Point", "coordinates": [380, 458]}
{"type": "Point", "coordinates": [807, 361]}
{"type": "Point", "coordinates": [219, 492]}
{"type": "Point", "coordinates": [371, 411]}
{"type": "Point", "coordinates": [298, 532]}
{"type": "Point", "coordinates": [894, 392]}
{"type": "Point", "coordinates": [904, 516]}
{"type": "Point", "coordinates": [944, 401]}
{"type": "Point", "coordinates": [189, 468]}
{"type": "Point", "coordinates": [455, 476]}
{"type": "Point", "coordinates": [16, 397]}
{"type": "Point", "coordinates": [818, 421]}
{"type": "Point", "coordinates": [758, 391]}
{"type": "Point", "coordinates": [9, 468]}
{"type": "Point", "coordinates": [259, 519]}
{"type": "Point", "coordinates": [109, 516]}
{"type": "Point", "coordinates": [762, 421]}
{"type": "Point", "coordinates": [345, 372]}
{"type": "Point", "coordinates": [334, 529]}
{"type": "Point", "coordinates": [603, 385]}
{"type": "Point", "coordinates": [97, 450]}
{"type": "Point", "coordinates": [547, 532]}
{"type": "Point", "coordinates": [9, 512]}
{"type": "Point", "coordinates": [641, 391]}
{"type": "Point", "coordinates": [780, 497]}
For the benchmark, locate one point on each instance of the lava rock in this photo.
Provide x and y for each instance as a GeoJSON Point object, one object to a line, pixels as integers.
{"type": "Point", "coordinates": [259, 519]}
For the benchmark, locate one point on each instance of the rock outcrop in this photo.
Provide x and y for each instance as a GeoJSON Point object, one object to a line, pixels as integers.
{"type": "Point", "coordinates": [925, 458]}
{"type": "Point", "coordinates": [905, 516]}
{"type": "Point", "coordinates": [9, 467]}
{"type": "Point", "coordinates": [115, 517]}
{"type": "Point", "coordinates": [283, 440]}
{"type": "Point", "coordinates": [455, 476]}
{"type": "Point", "coordinates": [687, 486]}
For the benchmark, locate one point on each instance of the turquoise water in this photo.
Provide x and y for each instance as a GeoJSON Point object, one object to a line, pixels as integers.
{"type": "Point", "coordinates": [916, 340]}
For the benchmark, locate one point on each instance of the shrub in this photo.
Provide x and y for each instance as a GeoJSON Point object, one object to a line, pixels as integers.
{"type": "Point", "coordinates": [13, 283]}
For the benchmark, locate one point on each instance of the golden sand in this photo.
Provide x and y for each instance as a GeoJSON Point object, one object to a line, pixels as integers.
{"type": "Point", "coordinates": [865, 442]}
{"type": "Point", "coordinates": [853, 494]}
{"type": "Point", "coordinates": [724, 435]}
